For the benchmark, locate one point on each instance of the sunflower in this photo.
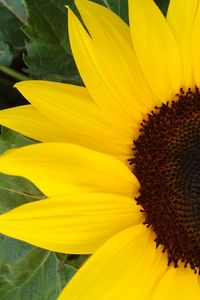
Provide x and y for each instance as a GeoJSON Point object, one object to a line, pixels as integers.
{"type": "Point", "coordinates": [119, 160]}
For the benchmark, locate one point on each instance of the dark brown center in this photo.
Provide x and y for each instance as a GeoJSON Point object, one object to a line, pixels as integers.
{"type": "Point", "coordinates": [167, 164]}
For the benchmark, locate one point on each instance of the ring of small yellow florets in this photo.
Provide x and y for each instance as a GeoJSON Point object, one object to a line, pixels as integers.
{"type": "Point", "coordinates": [167, 164]}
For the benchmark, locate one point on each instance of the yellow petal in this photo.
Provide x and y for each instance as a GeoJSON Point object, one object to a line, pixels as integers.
{"type": "Point", "coordinates": [72, 109]}
{"type": "Point", "coordinates": [178, 284]}
{"type": "Point", "coordinates": [76, 223]}
{"type": "Point", "coordinates": [126, 267]}
{"type": "Point", "coordinates": [156, 48]}
{"type": "Point", "coordinates": [60, 168]}
{"type": "Point", "coordinates": [30, 122]}
{"type": "Point", "coordinates": [117, 61]}
{"type": "Point", "coordinates": [91, 71]}
{"type": "Point", "coordinates": [180, 17]}
{"type": "Point", "coordinates": [196, 47]}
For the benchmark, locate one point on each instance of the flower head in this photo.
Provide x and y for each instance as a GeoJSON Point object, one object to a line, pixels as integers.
{"type": "Point", "coordinates": [119, 158]}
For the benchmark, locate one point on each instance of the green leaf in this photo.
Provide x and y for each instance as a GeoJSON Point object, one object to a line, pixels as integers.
{"type": "Point", "coordinates": [26, 272]}
{"type": "Point", "coordinates": [49, 55]}
{"type": "Point", "coordinates": [17, 8]}
{"type": "Point", "coordinates": [10, 30]}
{"type": "Point", "coordinates": [46, 283]}
{"type": "Point", "coordinates": [12, 38]}
{"type": "Point", "coordinates": [71, 259]}
{"type": "Point", "coordinates": [15, 191]}
{"type": "Point", "coordinates": [14, 139]}
{"type": "Point", "coordinates": [5, 54]}
{"type": "Point", "coordinates": [48, 50]}
{"type": "Point", "coordinates": [18, 263]}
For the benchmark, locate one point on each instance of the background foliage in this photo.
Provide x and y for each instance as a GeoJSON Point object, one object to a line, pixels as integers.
{"type": "Point", "coordinates": [34, 44]}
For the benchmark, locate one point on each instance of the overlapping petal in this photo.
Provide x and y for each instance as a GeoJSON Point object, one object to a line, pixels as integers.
{"type": "Point", "coordinates": [76, 223]}
{"type": "Point", "coordinates": [78, 118]}
{"type": "Point", "coordinates": [180, 13]}
{"type": "Point", "coordinates": [91, 203]}
{"type": "Point", "coordinates": [60, 168]}
{"type": "Point", "coordinates": [127, 266]}
{"type": "Point", "coordinates": [30, 122]}
{"type": "Point", "coordinates": [156, 48]}
{"type": "Point", "coordinates": [180, 283]}
{"type": "Point", "coordinates": [196, 47]}
{"type": "Point", "coordinates": [106, 61]}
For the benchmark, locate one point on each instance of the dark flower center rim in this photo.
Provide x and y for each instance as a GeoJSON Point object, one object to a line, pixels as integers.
{"type": "Point", "coordinates": [166, 161]}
